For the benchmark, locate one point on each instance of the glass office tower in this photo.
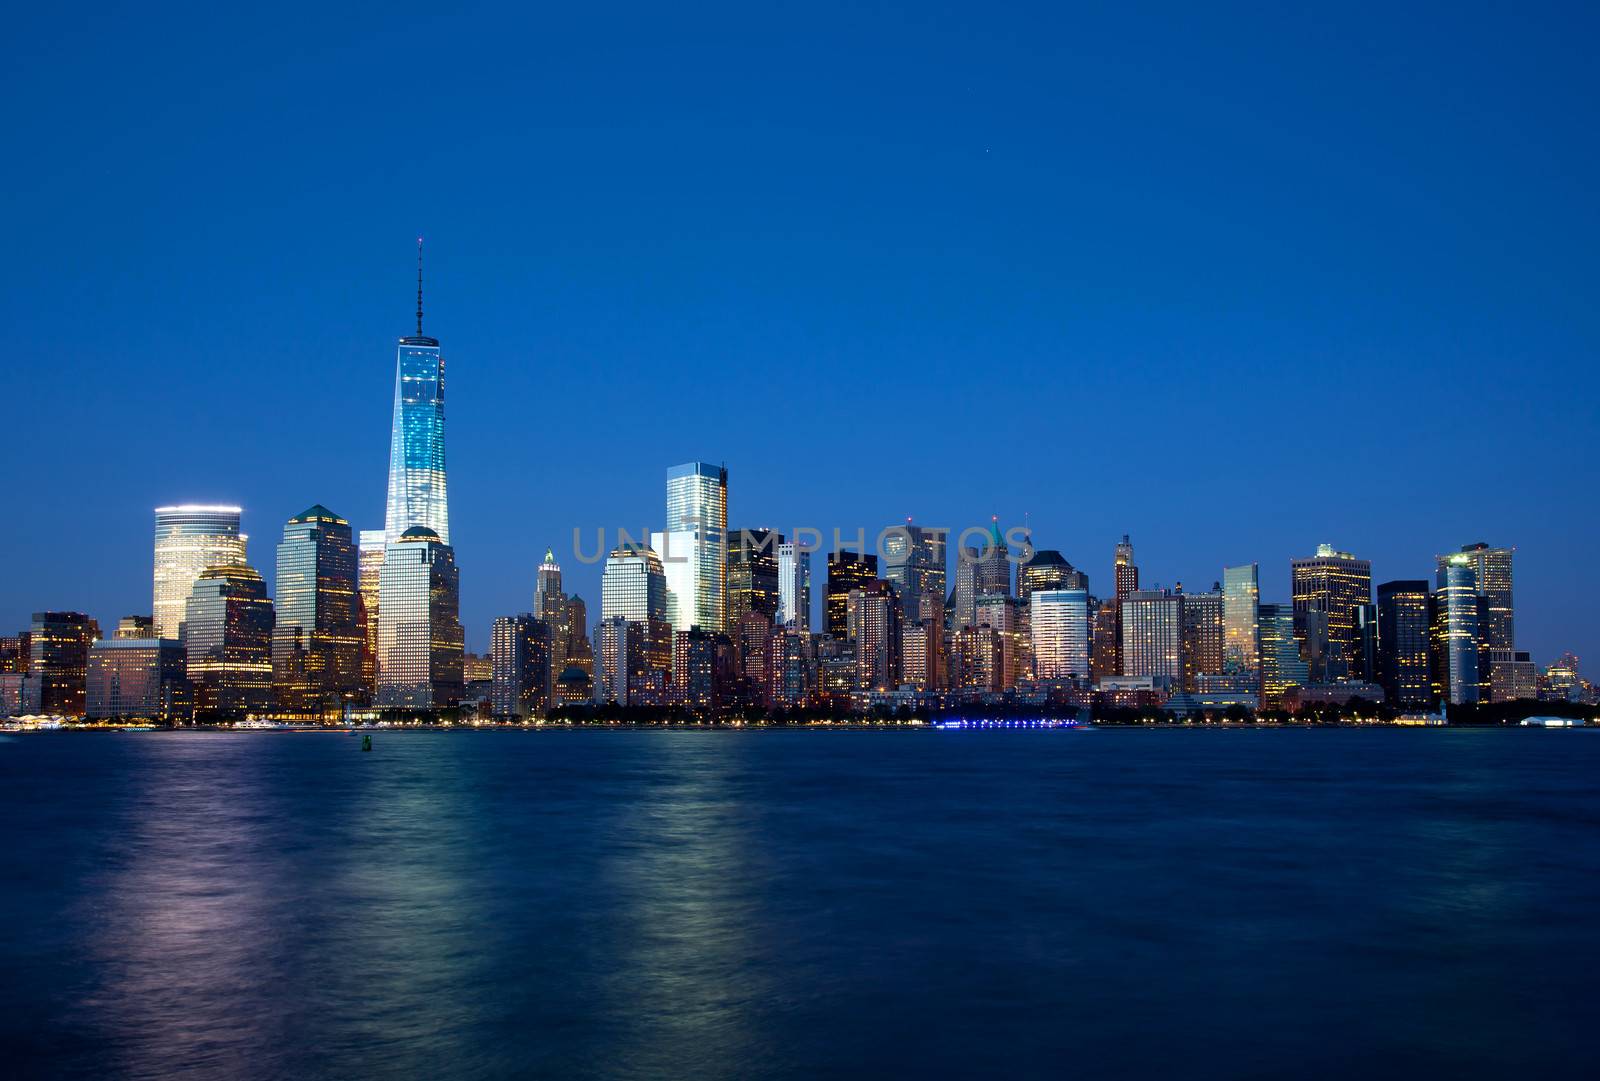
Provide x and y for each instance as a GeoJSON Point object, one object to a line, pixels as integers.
{"type": "Point", "coordinates": [1241, 642]}
{"type": "Point", "coordinates": [228, 638]}
{"type": "Point", "coordinates": [369, 577]}
{"type": "Point", "coordinates": [1457, 625]}
{"type": "Point", "coordinates": [417, 495]}
{"type": "Point", "coordinates": [794, 587]}
{"type": "Point", "coordinates": [1281, 664]}
{"type": "Point", "coordinates": [316, 642]}
{"type": "Point", "coordinates": [1492, 567]}
{"type": "Point", "coordinates": [1331, 584]}
{"type": "Point", "coordinates": [1403, 644]}
{"type": "Point", "coordinates": [1059, 625]}
{"type": "Point", "coordinates": [190, 538]}
{"type": "Point", "coordinates": [693, 547]}
{"type": "Point", "coordinates": [752, 574]}
{"type": "Point", "coordinates": [419, 627]}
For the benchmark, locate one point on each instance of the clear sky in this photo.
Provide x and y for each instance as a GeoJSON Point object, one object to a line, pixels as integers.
{"type": "Point", "coordinates": [1236, 281]}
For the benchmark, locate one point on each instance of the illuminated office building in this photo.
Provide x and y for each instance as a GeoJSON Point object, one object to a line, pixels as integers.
{"type": "Point", "coordinates": [417, 488]}
{"type": "Point", "coordinates": [1241, 634]}
{"type": "Point", "coordinates": [752, 556]}
{"type": "Point", "coordinates": [1332, 584]}
{"type": "Point", "coordinates": [1105, 642]}
{"type": "Point", "coordinates": [228, 639]}
{"type": "Point", "coordinates": [846, 571]}
{"type": "Point", "coordinates": [1202, 637]}
{"type": "Point", "coordinates": [999, 611]}
{"type": "Point", "coordinates": [794, 587]}
{"type": "Point", "coordinates": [550, 605]}
{"type": "Point", "coordinates": [633, 586]}
{"type": "Point", "coordinates": [1152, 636]}
{"type": "Point", "coordinates": [521, 670]}
{"type": "Point", "coordinates": [1403, 653]}
{"type": "Point", "coordinates": [1491, 568]}
{"type": "Point", "coordinates": [1127, 572]}
{"type": "Point", "coordinates": [752, 650]}
{"type": "Point", "coordinates": [994, 565]}
{"type": "Point", "coordinates": [693, 547]}
{"type": "Point", "coordinates": [1058, 624]}
{"type": "Point", "coordinates": [872, 617]}
{"type": "Point", "coordinates": [58, 662]}
{"type": "Point", "coordinates": [189, 539]}
{"type": "Point", "coordinates": [1458, 610]}
{"type": "Point", "coordinates": [977, 660]}
{"type": "Point", "coordinates": [704, 671]}
{"type": "Point", "coordinates": [369, 579]}
{"type": "Point", "coordinates": [922, 647]}
{"type": "Point", "coordinates": [1282, 666]}
{"type": "Point", "coordinates": [965, 595]}
{"type": "Point", "coordinates": [138, 678]}
{"type": "Point", "coordinates": [316, 644]}
{"type": "Point", "coordinates": [1513, 677]}
{"type": "Point", "coordinates": [579, 654]}
{"type": "Point", "coordinates": [913, 559]}
{"type": "Point", "coordinates": [793, 668]}
{"type": "Point", "coordinates": [420, 640]}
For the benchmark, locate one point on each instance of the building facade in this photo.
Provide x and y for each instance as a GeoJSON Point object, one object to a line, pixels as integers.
{"type": "Point", "coordinates": [418, 492]}
{"type": "Point", "coordinates": [138, 679]}
{"type": "Point", "coordinates": [1058, 625]}
{"type": "Point", "coordinates": [521, 659]}
{"type": "Point", "coordinates": [228, 640]}
{"type": "Point", "coordinates": [316, 639]}
{"type": "Point", "coordinates": [420, 639]}
{"type": "Point", "coordinates": [189, 539]}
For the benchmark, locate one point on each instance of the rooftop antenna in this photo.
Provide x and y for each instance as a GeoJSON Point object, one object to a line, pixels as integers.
{"type": "Point", "coordinates": [419, 287]}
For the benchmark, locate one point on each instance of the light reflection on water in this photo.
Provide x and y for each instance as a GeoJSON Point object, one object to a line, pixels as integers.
{"type": "Point", "coordinates": [646, 904]}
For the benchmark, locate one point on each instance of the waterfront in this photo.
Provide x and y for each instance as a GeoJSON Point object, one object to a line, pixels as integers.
{"type": "Point", "coordinates": [1197, 903]}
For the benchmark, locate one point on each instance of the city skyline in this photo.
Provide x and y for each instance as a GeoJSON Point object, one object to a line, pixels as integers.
{"type": "Point", "coordinates": [1139, 272]}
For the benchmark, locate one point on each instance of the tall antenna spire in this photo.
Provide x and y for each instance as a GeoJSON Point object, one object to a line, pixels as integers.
{"type": "Point", "coordinates": [419, 287]}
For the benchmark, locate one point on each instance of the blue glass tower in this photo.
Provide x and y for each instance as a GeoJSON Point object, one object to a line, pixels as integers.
{"type": "Point", "coordinates": [416, 450]}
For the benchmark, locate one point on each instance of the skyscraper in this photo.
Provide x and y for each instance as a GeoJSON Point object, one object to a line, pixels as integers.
{"type": "Point", "coordinates": [1282, 666]}
{"type": "Point", "coordinates": [550, 605]}
{"type": "Point", "coordinates": [520, 656]}
{"type": "Point", "coordinates": [914, 563]}
{"type": "Point", "coordinates": [138, 678]}
{"type": "Point", "coordinates": [316, 645]}
{"type": "Point", "coordinates": [1458, 608]}
{"type": "Point", "coordinates": [417, 490]}
{"type": "Point", "coordinates": [632, 586]}
{"type": "Point", "coordinates": [794, 587]}
{"type": "Point", "coordinates": [1059, 626]}
{"type": "Point", "coordinates": [633, 589]}
{"type": "Point", "coordinates": [1202, 636]}
{"type": "Point", "coordinates": [1492, 569]}
{"type": "Point", "coordinates": [999, 612]}
{"type": "Point", "coordinates": [1334, 584]}
{"type": "Point", "coordinates": [420, 641]}
{"type": "Point", "coordinates": [1152, 635]}
{"type": "Point", "coordinates": [752, 574]}
{"type": "Point", "coordinates": [58, 662]}
{"type": "Point", "coordinates": [693, 547]}
{"type": "Point", "coordinates": [847, 570]}
{"type": "Point", "coordinates": [872, 614]}
{"type": "Point", "coordinates": [228, 638]}
{"type": "Point", "coordinates": [1241, 634]}
{"type": "Point", "coordinates": [369, 578]}
{"type": "Point", "coordinates": [1048, 569]}
{"type": "Point", "coordinates": [190, 538]}
{"type": "Point", "coordinates": [1403, 644]}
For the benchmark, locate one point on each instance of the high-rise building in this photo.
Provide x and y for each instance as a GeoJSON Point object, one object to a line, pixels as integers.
{"type": "Point", "coordinates": [1152, 635]}
{"type": "Point", "coordinates": [417, 488]}
{"type": "Point", "coordinates": [316, 644]}
{"type": "Point", "coordinates": [1127, 571]}
{"type": "Point", "coordinates": [228, 638]}
{"type": "Point", "coordinates": [58, 662]}
{"type": "Point", "coordinates": [794, 587]}
{"type": "Point", "coordinates": [977, 660]}
{"type": "Point", "coordinates": [189, 539]}
{"type": "Point", "coordinates": [1241, 634]}
{"type": "Point", "coordinates": [964, 598]}
{"type": "Point", "coordinates": [1403, 666]}
{"type": "Point", "coordinates": [550, 605]}
{"type": "Point", "coordinates": [1058, 623]}
{"type": "Point", "coordinates": [693, 547]}
{"type": "Point", "coordinates": [994, 564]}
{"type": "Point", "coordinates": [793, 668]}
{"type": "Point", "coordinates": [632, 661]}
{"type": "Point", "coordinates": [1334, 584]}
{"type": "Point", "coordinates": [521, 666]}
{"type": "Point", "coordinates": [633, 586]}
{"type": "Point", "coordinates": [922, 647]}
{"type": "Point", "coordinates": [1492, 569]}
{"type": "Point", "coordinates": [369, 579]}
{"type": "Point", "coordinates": [999, 612]}
{"type": "Point", "coordinates": [138, 678]}
{"type": "Point", "coordinates": [1513, 677]}
{"type": "Point", "coordinates": [703, 671]}
{"type": "Point", "coordinates": [847, 570]}
{"type": "Point", "coordinates": [420, 640]}
{"type": "Point", "coordinates": [752, 574]}
{"type": "Point", "coordinates": [913, 559]}
{"type": "Point", "coordinates": [1458, 610]}
{"type": "Point", "coordinates": [579, 654]}
{"type": "Point", "coordinates": [1282, 666]}
{"type": "Point", "coordinates": [752, 649]}
{"type": "Point", "coordinates": [872, 618]}
{"type": "Point", "coordinates": [1105, 641]}
{"type": "Point", "coordinates": [1202, 636]}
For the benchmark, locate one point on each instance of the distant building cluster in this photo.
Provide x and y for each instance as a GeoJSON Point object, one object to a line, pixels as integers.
{"type": "Point", "coordinates": [708, 621]}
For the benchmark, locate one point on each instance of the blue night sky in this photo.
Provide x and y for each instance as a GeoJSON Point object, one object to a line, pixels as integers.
{"type": "Point", "coordinates": [1234, 281]}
